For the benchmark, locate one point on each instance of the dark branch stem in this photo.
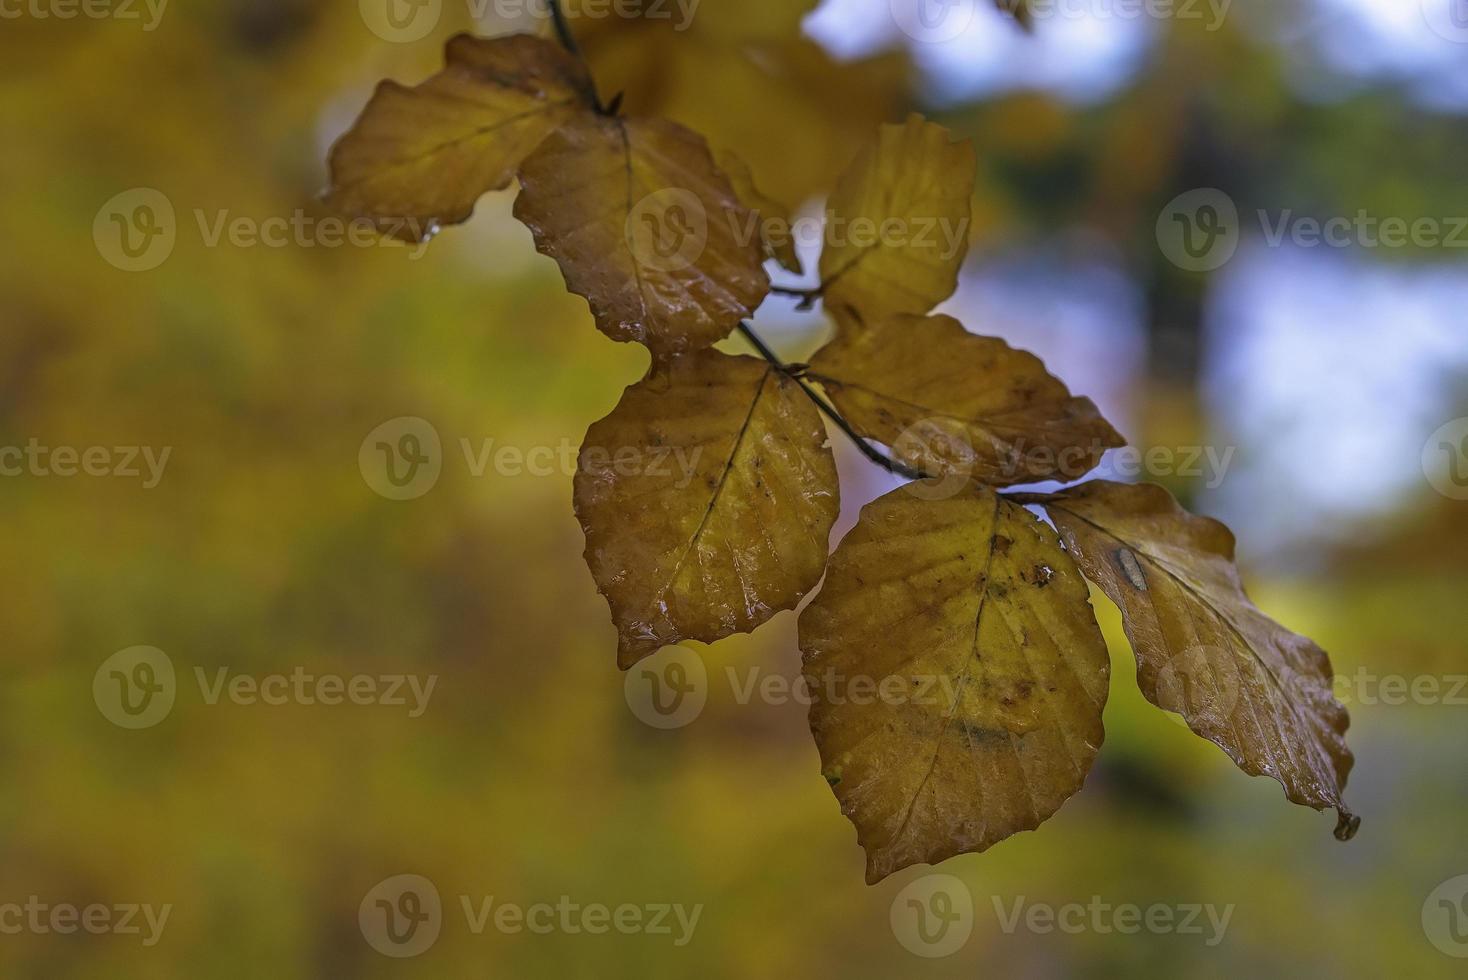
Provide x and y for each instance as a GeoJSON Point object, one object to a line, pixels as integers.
{"type": "Point", "coordinates": [563, 28]}
{"type": "Point", "coordinates": [807, 297]}
{"type": "Point", "coordinates": [867, 449]}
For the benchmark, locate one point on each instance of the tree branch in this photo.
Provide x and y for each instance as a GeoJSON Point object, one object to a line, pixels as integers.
{"type": "Point", "coordinates": [867, 449]}
{"type": "Point", "coordinates": [563, 28]}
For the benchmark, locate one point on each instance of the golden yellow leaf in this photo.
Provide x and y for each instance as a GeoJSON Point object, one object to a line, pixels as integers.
{"type": "Point", "coordinates": [897, 225]}
{"type": "Point", "coordinates": [951, 403]}
{"type": "Point", "coordinates": [749, 81]}
{"type": "Point", "coordinates": [418, 158]}
{"type": "Point", "coordinates": [646, 228]}
{"type": "Point", "coordinates": [707, 497]}
{"type": "Point", "coordinates": [979, 629]}
{"type": "Point", "coordinates": [1204, 650]}
{"type": "Point", "coordinates": [774, 217]}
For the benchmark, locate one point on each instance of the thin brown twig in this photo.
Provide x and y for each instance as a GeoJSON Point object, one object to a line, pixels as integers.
{"type": "Point", "coordinates": [867, 449]}
{"type": "Point", "coordinates": [563, 28]}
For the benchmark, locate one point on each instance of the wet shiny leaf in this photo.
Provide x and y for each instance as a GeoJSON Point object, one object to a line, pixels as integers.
{"type": "Point", "coordinates": [1204, 650]}
{"type": "Point", "coordinates": [977, 629]}
{"type": "Point", "coordinates": [419, 157]}
{"type": "Point", "coordinates": [707, 497]}
{"type": "Point", "coordinates": [646, 227]}
{"type": "Point", "coordinates": [897, 224]}
{"type": "Point", "coordinates": [949, 402]}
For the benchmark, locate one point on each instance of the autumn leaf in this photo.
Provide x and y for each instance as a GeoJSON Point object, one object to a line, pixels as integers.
{"type": "Point", "coordinates": [978, 628]}
{"type": "Point", "coordinates": [707, 497]}
{"type": "Point", "coordinates": [897, 223]}
{"type": "Point", "coordinates": [741, 75]}
{"type": "Point", "coordinates": [774, 217]}
{"type": "Point", "coordinates": [646, 227]}
{"type": "Point", "coordinates": [949, 402]}
{"type": "Point", "coordinates": [420, 157]}
{"type": "Point", "coordinates": [1239, 679]}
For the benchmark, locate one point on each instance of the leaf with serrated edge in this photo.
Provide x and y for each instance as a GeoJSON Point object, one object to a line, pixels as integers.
{"type": "Point", "coordinates": [419, 157]}
{"type": "Point", "coordinates": [707, 497]}
{"type": "Point", "coordinates": [897, 225]}
{"type": "Point", "coordinates": [950, 402]}
{"type": "Point", "coordinates": [647, 228]}
{"type": "Point", "coordinates": [978, 627]}
{"type": "Point", "coordinates": [1240, 680]}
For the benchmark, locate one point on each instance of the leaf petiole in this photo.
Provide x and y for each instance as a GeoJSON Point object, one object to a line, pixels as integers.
{"type": "Point", "coordinates": [794, 372]}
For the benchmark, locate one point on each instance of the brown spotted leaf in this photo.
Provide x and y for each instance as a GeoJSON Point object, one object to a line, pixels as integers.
{"type": "Point", "coordinates": [897, 224]}
{"type": "Point", "coordinates": [647, 228]}
{"type": "Point", "coordinates": [707, 497]}
{"type": "Point", "coordinates": [1239, 679]}
{"type": "Point", "coordinates": [976, 631]}
{"type": "Point", "coordinates": [420, 157]}
{"type": "Point", "coordinates": [951, 403]}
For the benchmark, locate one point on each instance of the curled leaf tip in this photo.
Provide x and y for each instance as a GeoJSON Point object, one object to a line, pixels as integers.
{"type": "Point", "coordinates": [1346, 825]}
